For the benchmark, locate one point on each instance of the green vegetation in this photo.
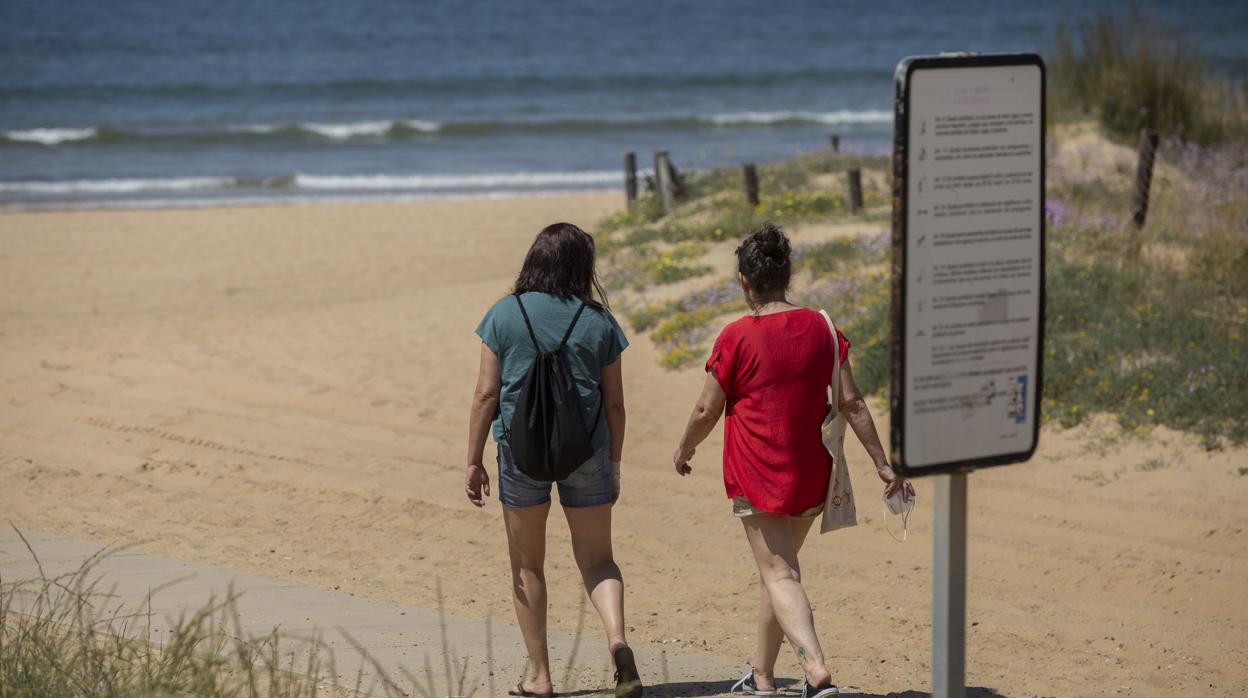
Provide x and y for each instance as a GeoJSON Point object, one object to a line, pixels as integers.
{"type": "Point", "coordinates": [1151, 325]}
{"type": "Point", "coordinates": [680, 327]}
{"type": "Point", "coordinates": [714, 210]}
{"type": "Point", "coordinates": [1148, 325]}
{"type": "Point", "coordinates": [640, 266]}
{"type": "Point", "coordinates": [797, 174]}
{"type": "Point", "coordinates": [1131, 72]}
{"type": "Point", "coordinates": [644, 249]}
{"type": "Point", "coordinates": [846, 276]}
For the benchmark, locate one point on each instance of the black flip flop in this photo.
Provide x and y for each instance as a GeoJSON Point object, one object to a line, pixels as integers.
{"type": "Point", "coordinates": [627, 680]}
{"type": "Point", "coordinates": [519, 691]}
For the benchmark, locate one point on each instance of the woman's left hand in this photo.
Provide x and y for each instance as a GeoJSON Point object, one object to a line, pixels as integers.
{"type": "Point", "coordinates": [894, 482]}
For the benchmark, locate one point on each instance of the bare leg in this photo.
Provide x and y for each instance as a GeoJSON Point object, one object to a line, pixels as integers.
{"type": "Point", "coordinates": [775, 552]}
{"type": "Point", "coordinates": [526, 542]}
{"type": "Point", "coordinates": [591, 546]}
{"type": "Point", "coordinates": [769, 633]}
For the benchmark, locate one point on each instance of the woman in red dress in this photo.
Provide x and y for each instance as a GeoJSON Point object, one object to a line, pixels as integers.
{"type": "Point", "coordinates": [771, 369]}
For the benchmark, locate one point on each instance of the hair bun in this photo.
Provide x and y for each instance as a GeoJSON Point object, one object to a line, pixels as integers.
{"type": "Point", "coordinates": [763, 259]}
{"type": "Point", "coordinates": [773, 243]}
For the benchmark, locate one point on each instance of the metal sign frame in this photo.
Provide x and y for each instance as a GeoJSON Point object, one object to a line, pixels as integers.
{"type": "Point", "coordinates": [901, 140]}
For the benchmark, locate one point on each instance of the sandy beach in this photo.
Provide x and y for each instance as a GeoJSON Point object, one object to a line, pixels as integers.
{"type": "Point", "coordinates": [283, 390]}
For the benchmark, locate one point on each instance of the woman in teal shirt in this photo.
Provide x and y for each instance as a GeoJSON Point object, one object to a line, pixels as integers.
{"type": "Point", "coordinates": [557, 278]}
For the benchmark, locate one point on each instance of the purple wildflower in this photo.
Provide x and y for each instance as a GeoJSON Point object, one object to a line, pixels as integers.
{"type": "Point", "coordinates": [1055, 211]}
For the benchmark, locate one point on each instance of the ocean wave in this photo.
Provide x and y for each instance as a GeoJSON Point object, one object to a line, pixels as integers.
{"type": "Point", "coordinates": [256, 128]}
{"type": "Point", "coordinates": [527, 181]}
{"type": "Point", "coordinates": [50, 136]}
{"type": "Point", "coordinates": [343, 131]}
{"type": "Point", "coordinates": [831, 118]}
{"type": "Point", "coordinates": [100, 135]}
{"type": "Point", "coordinates": [273, 199]}
{"type": "Point", "coordinates": [371, 129]}
{"type": "Point", "coordinates": [467, 181]}
{"type": "Point", "coordinates": [401, 129]}
{"type": "Point", "coordinates": [117, 186]}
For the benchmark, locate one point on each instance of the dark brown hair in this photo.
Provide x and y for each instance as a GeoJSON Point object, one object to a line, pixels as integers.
{"type": "Point", "coordinates": [561, 263]}
{"type": "Point", "coordinates": [763, 259]}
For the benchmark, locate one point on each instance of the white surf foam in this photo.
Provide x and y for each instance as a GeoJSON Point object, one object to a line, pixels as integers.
{"type": "Point", "coordinates": [256, 128]}
{"type": "Point", "coordinates": [473, 181]}
{"type": "Point", "coordinates": [352, 130]}
{"type": "Point", "coordinates": [422, 125]}
{"type": "Point", "coordinates": [521, 180]}
{"type": "Point", "coordinates": [116, 186]}
{"type": "Point", "coordinates": [841, 116]}
{"type": "Point", "coordinates": [360, 129]}
{"type": "Point", "coordinates": [51, 136]}
{"type": "Point", "coordinates": [313, 200]}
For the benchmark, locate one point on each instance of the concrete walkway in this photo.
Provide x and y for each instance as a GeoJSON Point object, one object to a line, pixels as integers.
{"type": "Point", "coordinates": [393, 636]}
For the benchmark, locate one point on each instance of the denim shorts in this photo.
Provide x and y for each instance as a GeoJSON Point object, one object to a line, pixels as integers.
{"type": "Point", "coordinates": [588, 486]}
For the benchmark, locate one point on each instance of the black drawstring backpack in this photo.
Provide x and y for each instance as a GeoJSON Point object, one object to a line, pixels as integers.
{"type": "Point", "coordinates": [547, 434]}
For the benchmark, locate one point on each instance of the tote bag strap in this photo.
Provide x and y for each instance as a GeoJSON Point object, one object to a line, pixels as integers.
{"type": "Point", "coordinates": [835, 385]}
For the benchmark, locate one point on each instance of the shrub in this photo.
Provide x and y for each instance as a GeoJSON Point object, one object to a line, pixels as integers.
{"type": "Point", "coordinates": [1131, 72]}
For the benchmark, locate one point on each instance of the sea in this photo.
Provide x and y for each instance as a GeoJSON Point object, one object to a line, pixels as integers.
{"type": "Point", "coordinates": [156, 103]}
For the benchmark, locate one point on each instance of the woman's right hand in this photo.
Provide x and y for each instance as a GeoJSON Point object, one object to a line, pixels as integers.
{"type": "Point", "coordinates": [477, 484]}
{"type": "Point", "coordinates": [681, 460]}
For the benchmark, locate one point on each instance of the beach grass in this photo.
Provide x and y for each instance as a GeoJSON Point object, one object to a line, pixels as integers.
{"type": "Point", "coordinates": [1131, 71]}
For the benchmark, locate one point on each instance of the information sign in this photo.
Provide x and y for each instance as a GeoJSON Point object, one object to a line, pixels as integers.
{"type": "Point", "coordinates": [968, 253]}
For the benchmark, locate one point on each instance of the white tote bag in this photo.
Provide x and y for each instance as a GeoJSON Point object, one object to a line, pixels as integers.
{"type": "Point", "coordinates": [838, 509]}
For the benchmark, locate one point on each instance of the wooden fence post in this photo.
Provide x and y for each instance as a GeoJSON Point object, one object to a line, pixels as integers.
{"type": "Point", "coordinates": [854, 180]}
{"type": "Point", "coordinates": [751, 183]}
{"type": "Point", "coordinates": [630, 178]}
{"type": "Point", "coordinates": [1144, 176]}
{"type": "Point", "coordinates": [663, 181]}
{"type": "Point", "coordinates": [678, 182]}
{"type": "Point", "coordinates": [835, 142]}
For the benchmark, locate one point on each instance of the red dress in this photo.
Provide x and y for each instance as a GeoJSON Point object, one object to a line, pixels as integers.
{"type": "Point", "coordinates": [775, 370]}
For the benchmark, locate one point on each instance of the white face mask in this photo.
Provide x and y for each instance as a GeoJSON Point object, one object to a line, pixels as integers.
{"type": "Point", "coordinates": [897, 506]}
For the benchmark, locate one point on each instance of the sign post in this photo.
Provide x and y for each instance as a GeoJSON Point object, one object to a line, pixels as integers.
{"type": "Point", "coordinates": [968, 296]}
{"type": "Point", "coordinates": [949, 588]}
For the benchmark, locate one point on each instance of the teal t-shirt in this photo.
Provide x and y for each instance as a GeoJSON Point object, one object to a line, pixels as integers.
{"type": "Point", "coordinates": [596, 341]}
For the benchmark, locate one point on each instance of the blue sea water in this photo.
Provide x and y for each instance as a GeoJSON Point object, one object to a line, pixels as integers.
{"type": "Point", "coordinates": [180, 102]}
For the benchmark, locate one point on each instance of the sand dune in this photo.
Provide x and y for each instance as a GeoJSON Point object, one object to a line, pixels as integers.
{"type": "Point", "coordinates": [284, 390]}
